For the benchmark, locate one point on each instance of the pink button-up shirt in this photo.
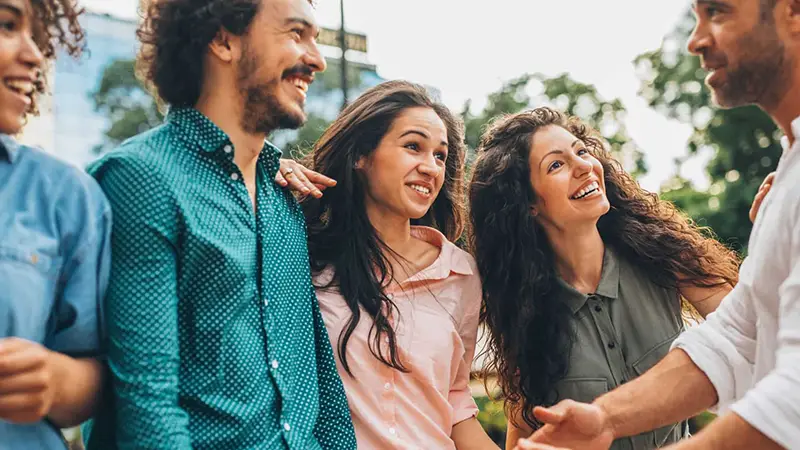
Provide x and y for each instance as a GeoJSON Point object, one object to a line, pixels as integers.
{"type": "Point", "coordinates": [436, 330]}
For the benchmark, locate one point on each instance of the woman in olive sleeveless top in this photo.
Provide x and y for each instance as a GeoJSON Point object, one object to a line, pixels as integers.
{"type": "Point", "coordinates": [583, 271]}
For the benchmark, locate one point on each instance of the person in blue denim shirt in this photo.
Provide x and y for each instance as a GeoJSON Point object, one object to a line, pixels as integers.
{"type": "Point", "coordinates": [54, 248]}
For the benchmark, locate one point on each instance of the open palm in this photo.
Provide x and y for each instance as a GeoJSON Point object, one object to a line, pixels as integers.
{"type": "Point", "coordinates": [573, 425]}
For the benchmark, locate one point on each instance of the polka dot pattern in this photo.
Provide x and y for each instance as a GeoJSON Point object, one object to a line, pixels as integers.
{"type": "Point", "coordinates": [216, 338]}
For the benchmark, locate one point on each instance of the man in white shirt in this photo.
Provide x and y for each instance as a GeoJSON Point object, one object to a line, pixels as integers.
{"type": "Point", "coordinates": [744, 361]}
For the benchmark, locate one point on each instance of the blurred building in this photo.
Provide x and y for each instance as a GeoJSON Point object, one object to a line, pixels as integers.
{"type": "Point", "coordinates": [69, 126]}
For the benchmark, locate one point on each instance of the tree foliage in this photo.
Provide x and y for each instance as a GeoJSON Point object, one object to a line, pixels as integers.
{"type": "Point", "coordinates": [744, 142]}
{"type": "Point", "coordinates": [568, 95]}
{"type": "Point", "coordinates": [129, 107]}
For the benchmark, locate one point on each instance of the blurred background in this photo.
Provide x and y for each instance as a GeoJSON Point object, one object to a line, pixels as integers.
{"type": "Point", "coordinates": [621, 65]}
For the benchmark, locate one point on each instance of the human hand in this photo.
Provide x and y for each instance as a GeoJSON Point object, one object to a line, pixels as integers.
{"type": "Point", "coordinates": [27, 381]}
{"type": "Point", "coordinates": [300, 179]}
{"type": "Point", "coordinates": [763, 190]}
{"type": "Point", "coordinates": [571, 425]}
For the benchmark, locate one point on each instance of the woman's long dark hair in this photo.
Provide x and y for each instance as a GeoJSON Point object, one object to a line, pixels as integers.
{"type": "Point", "coordinates": [340, 235]}
{"type": "Point", "coordinates": [530, 336]}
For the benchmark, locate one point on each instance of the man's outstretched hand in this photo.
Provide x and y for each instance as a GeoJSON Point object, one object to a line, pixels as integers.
{"type": "Point", "coordinates": [570, 425]}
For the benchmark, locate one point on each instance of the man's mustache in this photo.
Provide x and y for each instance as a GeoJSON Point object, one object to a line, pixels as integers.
{"type": "Point", "coordinates": [301, 70]}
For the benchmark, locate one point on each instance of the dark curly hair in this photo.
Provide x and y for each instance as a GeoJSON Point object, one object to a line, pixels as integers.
{"type": "Point", "coordinates": [55, 25]}
{"type": "Point", "coordinates": [340, 234]}
{"type": "Point", "coordinates": [529, 333]}
{"type": "Point", "coordinates": [175, 35]}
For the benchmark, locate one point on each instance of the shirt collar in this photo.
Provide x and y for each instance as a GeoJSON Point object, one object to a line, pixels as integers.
{"type": "Point", "coordinates": [8, 148]}
{"type": "Point", "coordinates": [195, 128]}
{"type": "Point", "coordinates": [607, 288]}
{"type": "Point", "coordinates": [451, 258]}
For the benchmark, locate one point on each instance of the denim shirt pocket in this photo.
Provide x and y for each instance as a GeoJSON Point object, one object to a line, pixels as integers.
{"type": "Point", "coordinates": [29, 281]}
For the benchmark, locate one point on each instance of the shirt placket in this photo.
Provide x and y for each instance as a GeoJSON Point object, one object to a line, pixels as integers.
{"type": "Point", "coordinates": [389, 378]}
{"type": "Point", "coordinates": [608, 337]}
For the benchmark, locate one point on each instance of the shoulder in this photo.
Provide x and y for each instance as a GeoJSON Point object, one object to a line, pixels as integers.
{"type": "Point", "coordinates": [75, 195]}
{"type": "Point", "coordinates": [141, 163]}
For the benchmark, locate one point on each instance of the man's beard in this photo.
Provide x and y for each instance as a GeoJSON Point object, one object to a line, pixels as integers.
{"type": "Point", "coordinates": [761, 74]}
{"type": "Point", "coordinates": [263, 112]}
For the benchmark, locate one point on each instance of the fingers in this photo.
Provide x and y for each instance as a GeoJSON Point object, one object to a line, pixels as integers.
{"type": "Point", "coordinates": [552, 416]}
{"type": "Point", "coordinates": [20, 357]}
{"type": "Point", "coordinates": [26, 382]}
{"type": "Point", "coordinates": [763, 190]}
{"type": "Point", "coordinates": [23, 408]}
{"type": "Point", "coordinates": [300, 179]}
{"type": "Point", "coordinates": [756, 205]}
{"type": "Point", "coordinates": [300, 182]}
{"type": "Point", "coordinates": [317, 178]}
{"type": "Point", "coordinates": [280, 179]}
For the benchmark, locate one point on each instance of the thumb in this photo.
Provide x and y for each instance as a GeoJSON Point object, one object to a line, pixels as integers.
{"type": "Point", "coordinates": [552, 416]}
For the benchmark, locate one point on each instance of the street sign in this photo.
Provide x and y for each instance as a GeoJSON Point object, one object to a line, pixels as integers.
{"type": "Point", "coordinates": [355, 41]}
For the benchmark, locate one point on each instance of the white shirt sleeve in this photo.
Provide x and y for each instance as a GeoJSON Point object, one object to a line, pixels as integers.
{"type": "Point", "coordinates": [724, 346]}
{"type": "Point", "coordinates": [773, 405]}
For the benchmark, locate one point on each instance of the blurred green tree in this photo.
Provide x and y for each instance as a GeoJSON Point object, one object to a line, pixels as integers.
{"type": "Point", "coordinates": [744, 143]}
{"type": "Point", "coordinates": [567, 95]}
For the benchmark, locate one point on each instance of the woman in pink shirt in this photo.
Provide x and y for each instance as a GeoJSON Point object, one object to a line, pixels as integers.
{"type": "Point", "coordinates": [399, 299]}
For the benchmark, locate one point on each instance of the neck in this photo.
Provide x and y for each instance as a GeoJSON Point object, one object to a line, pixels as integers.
{"type": "Point", "coordinates": [226, 111]}
{"type": "Point", "coordinates": [393, 230]}
{"type": "Point", "coordinates": [579, 256]}
{"type": "Point", "coordinates": [787, 107]}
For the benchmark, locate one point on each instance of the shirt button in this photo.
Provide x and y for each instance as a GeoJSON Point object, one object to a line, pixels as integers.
{"type": "Point", "coordinates": [287, 427]}
{"type": "Point", "coordinates": [598, 308]}
{"type": "Point", "coordinates": [228, 149]}
{"type": "Point", "coordinates": [266, 302]}
{"type": "Point", "coordinates": [274, 363]}
{"type": "Point", "coordinates": [392, 431]}
{"type": "Point", "coordinates": [387, 386]}
{"type": "Point", "coordinates": [611, 345]}
{"type": "Point", "coordinates": [234, 176]}
{"type": "Point", "coordinates": [390, 296]}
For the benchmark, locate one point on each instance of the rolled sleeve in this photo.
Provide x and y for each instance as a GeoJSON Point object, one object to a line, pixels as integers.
{"type": "Point", "coordinates": [724, 346]}
{"type": "Point", "coordinates": [460, 395]}
{"type": "Point", "coordinates": [773, 405]}
{"type": "Point", "coordinates": [142, 308]}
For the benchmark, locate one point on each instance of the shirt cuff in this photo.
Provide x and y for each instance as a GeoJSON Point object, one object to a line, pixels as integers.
{"type": "Point", "coordinates": [773, 408]}
{"type": "Point", "coordinates": [718, 359]}
{"type": "Point", "coordinates": [464, 407]}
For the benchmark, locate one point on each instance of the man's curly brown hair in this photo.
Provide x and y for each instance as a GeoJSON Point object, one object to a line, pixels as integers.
{"type": "Point", "coordinates": [175, 35]}
{"type": "Point", "coordinates": [55, 25]}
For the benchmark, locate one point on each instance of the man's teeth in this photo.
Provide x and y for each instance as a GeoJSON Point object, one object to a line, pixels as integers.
{"type": "Point", "coordinates": [420, 189]}
{"type": "Point", "coordinates": [21, 86]}
{"type": "Point", "coordinates": [587, 190]}
{"type": "Point", "coordinates": [300, 84]}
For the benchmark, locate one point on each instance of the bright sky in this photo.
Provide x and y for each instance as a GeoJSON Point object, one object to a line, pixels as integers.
{"type": "Point", "coordinates": [467, 49]}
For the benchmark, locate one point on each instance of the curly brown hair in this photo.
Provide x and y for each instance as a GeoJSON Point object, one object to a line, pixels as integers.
{"type": "Point", "coordinates": [55, 26]}
{"type": "Point", "coordinates": [529, 334]}
{"type": "Point", "coordinates": [175, 35]}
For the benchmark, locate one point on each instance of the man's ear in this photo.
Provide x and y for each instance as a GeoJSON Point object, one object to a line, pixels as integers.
{"type": "Point", "coordinates": [225, 46]}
